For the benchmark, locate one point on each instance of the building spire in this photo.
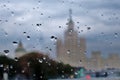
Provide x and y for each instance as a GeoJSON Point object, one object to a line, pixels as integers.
{"type": "Point", "coordinates": [20, 44]}
{"type": "Point", "coordinates": [70, 14]}
{"type": "Point", "coordinates": [70, 21]}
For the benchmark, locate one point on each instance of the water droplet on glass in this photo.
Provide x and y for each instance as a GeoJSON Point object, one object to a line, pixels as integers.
{"type": "Point", "coordinates": [41, 77]}
{"type": "Point", "coordinates": [12, 13]}
{"type": "Point", "coordinates": [16, 59]}
{"type": "Point", "coordinates": [76, 73]}
{"type": "Point", "coordinates": [6, 20]}
{"type": "Point", "coordinates": [77, 22]}
{"type": "Point", "coordinates": [38, 24]}
{"type": "Point", "coordinates": [28, 63]}
{"type": "Point", "coordinates": [50, 49]}
{"type": "Point", "coordinates": [6, 52]}
{"type": "Point", "coordinates": [4, 5]}
{"type": "Point", "coordinates": [59, 26]}
{"type": "Point", "coordinates": [11, 67]}
{"type": "Point", "coordinates": [15, 43]}
{"type": "Point", "coordinates": [1, 65]}
{"type": "Point", "coordinates": [23, 71]}
{"type": "Point", "coordinates": [80, 61]}
{"type": "Point", "coordinates": [34, 75]}
{"type": "Point", "coordinates": [41, 13]}
{"type": "Point", "coordinates": [40, 60]}
{"type": "Point", "coordinates": [88, 28]}
{"type": "Point", "coordinates": [68, 51]}
{"type": "Point", "coordinates": [28, 37]}
{"type": "Point", "coordinates": [6, 34]}
{"type": "Point", "coordinates": [24, 33]}
{"type": "Point", "coordinates": [81, 30]}
{"type": "Point", "coordinates": [101, 14]}
{"type": "Point", "coordinates": [116, 34]}
{"type": "Point", "coordinates": [44, 58]}
{"type": "Point", "coordinates": [49, 64]}
{"type": "Point", "coordinates": [53, 38]}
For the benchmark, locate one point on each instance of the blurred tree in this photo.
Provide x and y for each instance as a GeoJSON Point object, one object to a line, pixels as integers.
{"type": "Point", "coordinates": [8, 65]}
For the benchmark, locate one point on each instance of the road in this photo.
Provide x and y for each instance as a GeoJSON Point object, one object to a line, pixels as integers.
{"type": "Point", "coordinates": [110, 78]}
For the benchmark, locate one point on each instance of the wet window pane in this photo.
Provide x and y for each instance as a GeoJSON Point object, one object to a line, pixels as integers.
{"type": "Point", "coordinates": [59, 39]}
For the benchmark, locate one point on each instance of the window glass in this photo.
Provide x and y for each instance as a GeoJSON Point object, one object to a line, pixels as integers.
{"type": "Point", "coordinates": [59, 39]}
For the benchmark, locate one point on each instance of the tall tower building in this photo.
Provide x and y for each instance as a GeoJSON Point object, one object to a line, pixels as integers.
{"type": "Point", "coordinates": [20, 51]}
{"type": "Point", "coordinates": [71, 50]}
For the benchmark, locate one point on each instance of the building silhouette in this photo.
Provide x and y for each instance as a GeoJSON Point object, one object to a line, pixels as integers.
{"type": "Point", "coordinates": [71, 50]}
{"type": "Point", "coordinates": [20, 50]}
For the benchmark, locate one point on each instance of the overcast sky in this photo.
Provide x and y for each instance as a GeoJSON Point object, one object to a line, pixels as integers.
{"type": "Point", "coordinates": [20, 18]}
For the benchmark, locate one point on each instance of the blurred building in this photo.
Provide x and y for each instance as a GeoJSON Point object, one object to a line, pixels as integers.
{"type": "Point", "coordinates": [20, 50]}
{"type": "Point", "coordinates": [71, 50]}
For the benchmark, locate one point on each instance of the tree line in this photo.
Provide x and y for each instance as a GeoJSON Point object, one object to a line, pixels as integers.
{"type": "Point", "coordinates": [35, 66]}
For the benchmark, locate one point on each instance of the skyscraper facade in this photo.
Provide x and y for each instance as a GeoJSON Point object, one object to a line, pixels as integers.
{"type": "Point", "coordinates": [71, 50]}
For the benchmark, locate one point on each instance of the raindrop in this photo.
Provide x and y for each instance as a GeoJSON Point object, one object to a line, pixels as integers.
{"type": "Point", "coordinates": [41, 13]}
{"type": "Point", "coordinates": [53, 38]}
{"type": "Point", "coordinates": [68, 51]}
{"type": "Point", "coordinates": [24, 33]}
{"type": "Point", "coordinates": [38, 24]}
{"type": "Point", "coordinates": [11, 67]}
{"type": "Point", "coordinates": [59, 26]}
{"type": "Point", "coordinates": [101, 14]}
{"type": "Point", "coordinates": [71, 31]}
{"type": "Point", "coordinates": [117, 18]}
{"type": "Point", "coordinates": [40, 61]}
{"type": "Point", "coordinates": [39, 1]}
{"type": "Point", "coordinates": [111, 43]}
{"type": "Point", "coordinates": [44, 58]}
{"type": "Point", "coordinates": [114, 14]}
{"type": "Point", "coordinates": [34, 75]}
{"type": "Point", "coordinates": [6, 34]}
{"type": "Point", "coordinates": [63, 76]}
{"type": "Point", "coordinates": [23, 71]}
{"type": "Point", "coordinates": [16, 59]}
{"type": "Point", "coordinates": [4, 5]}
{"type": "Point", "coordinates": [77, 22]}
{"type": "Point", "coordinates": [41, 77]}
{"type": "Point", "coordinates": [1, 65]}
{"type": "Point", "coordinates": [28, 37]}
{"type": "Point", "coordinates": [28, 63]}
{"type": "Point", "coordinates": [116, 34]}
{"type": "Point", "coordinates": [49, 16]}
{"type": "Point", "coordinates": [81, 30]}
{"type": "Point", "coordinates": [6, 51]}
{"type": "Point", "coordinates": [12, 13]}
{"type": "Point", "coordinates": [49, 64]}
{"type": "Point", "coordinates": [62, 71]}
{"type": "Point", "coordinates": [6, 20]}
{"type": "Point", "coordinates": [80, 61]}
{"type": "Point", "coordinates": [50, 49]}
{"type": "Point", "coordinates": [15, 43]}
{"type": "Point", "coordinates": [71, 69]}
{"type": "Point", "coordinates": [88, 28]}
{"type": "Point", "coordinates": [102, 33]}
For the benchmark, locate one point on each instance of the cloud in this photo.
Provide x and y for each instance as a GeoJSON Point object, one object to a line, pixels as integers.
{"type": "Point", "coordinates": [22, 16]}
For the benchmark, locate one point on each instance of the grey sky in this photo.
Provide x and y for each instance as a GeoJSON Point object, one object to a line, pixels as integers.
{"type": "Point", "coordinates": [21, 16]}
